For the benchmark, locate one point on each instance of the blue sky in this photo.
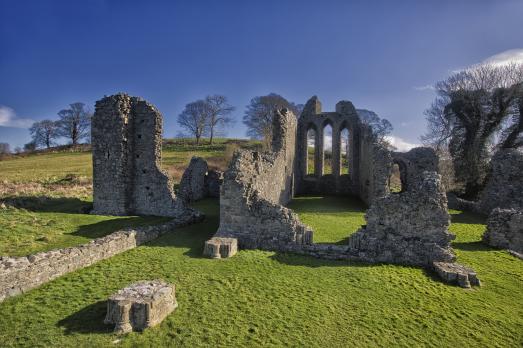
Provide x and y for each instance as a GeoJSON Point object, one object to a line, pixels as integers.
{"type": "Point", "coordinates": [381, 55]}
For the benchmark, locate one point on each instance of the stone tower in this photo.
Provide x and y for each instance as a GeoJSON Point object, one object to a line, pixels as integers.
{"type": "Point", "coordinates": [127, 144]}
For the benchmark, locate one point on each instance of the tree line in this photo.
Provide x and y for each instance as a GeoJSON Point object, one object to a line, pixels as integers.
{"type": "Point", "coordinates": [73, 124]}
{"type": "Point", "coordinates": [476, 112]}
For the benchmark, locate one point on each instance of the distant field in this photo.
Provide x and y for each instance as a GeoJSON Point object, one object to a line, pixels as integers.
{"type": "Point", "coordinates": [52, 167]}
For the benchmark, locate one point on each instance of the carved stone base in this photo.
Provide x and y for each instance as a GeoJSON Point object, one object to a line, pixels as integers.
{"type": "Point", "coordinates": [218, 247]}
{"type": "Point", "coordinates": [140, 305]}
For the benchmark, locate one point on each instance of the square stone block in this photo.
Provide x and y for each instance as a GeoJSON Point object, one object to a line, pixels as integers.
{"type": "Point", "coordinates": [218, 247]}
{"type": "Point", "coordinates": [140, 305]}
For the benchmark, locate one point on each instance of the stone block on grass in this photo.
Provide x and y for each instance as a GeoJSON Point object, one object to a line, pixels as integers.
{"type": "Point", "coordinates": [220, 248]}
{"type": "Point", "coordinates": [140, 305]}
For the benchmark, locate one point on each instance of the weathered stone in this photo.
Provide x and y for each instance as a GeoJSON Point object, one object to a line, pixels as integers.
{"type": "Point", "coordinates": [504, 187]}
{"type": "Point", "coordinates": [505, 229]}
{"type": "Point", "coordinates": [140, 305]}
{"type": "Point", "coordinates": [454, 273]}
{"type": "Point", "coordinates": [20, 274]}
{"type": "Point", "coordinates": [409, 227]}
{"type": "Point", "coordinates": [213, 182]}
{"type": "Point", "coordinates": [256, 186]}
{"type": "Point", "coordinates": [127, 144]}
{"type": "Point", "coordinates": [192, 185]}
{"type": "Point", "coordinates": [220, 248]}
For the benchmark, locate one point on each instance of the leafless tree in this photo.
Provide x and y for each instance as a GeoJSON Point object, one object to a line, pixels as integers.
{"type": "Point", "coordinates": [194, 119]}
{"type": "Point", "coordinates": [259, 113]}
{"type": "Point", "coordinates": [4, 148]}
{"type": "Point", "coordinates": [75, 123]}
{"type": "Point", "coordinates": [219, 111]}
{"type": "Point", "coordinates": [468, 116]}
{"type": "Point", "coordinates": [44, 133]}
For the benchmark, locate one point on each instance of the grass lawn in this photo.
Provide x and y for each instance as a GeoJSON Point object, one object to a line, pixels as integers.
{"type": "Point", "coordinates": [176, 154]}
{"type": "Point", "coordinates": [340, 217]}
{"type": "Point", "coordinates": [259, 298]}
{"type": "Point", "coordinates": [57, 223]}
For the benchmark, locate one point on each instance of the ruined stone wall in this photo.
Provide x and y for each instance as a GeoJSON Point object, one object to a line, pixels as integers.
{"type": "Point", "coordinates": [504, 187]}
{"type": "Point", "coordinates": [413, 163]}
{"type": "Point", "coordinates": [127, 175]}
{"type": "Point", "coordinates": [199, 182]}
{"type": "Point", "coordinates": [20, 274]}
{"type": "Point", "coordinates": [375, 165]}
{"type": "Point", "coordinates": [254, 189]}
{"type": "Point", "coordinates": [409, 227]}
{"type": "Point", "coordinates": [505, 229]}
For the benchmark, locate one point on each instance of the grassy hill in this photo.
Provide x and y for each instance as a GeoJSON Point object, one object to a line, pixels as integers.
{"type": "Point", "coordinates": [256, 298]}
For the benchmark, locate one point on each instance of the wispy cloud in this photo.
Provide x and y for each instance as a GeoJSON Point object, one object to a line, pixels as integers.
{"type": "Point", "coordinates": [400, 144]}
{"type": "Point", "coordinates": [425, 88]}
{"type": "Point", "coordinates": [8, 118]}
{"type": "Point", "coordinates": [505, 57]}
{"type": "Point", "coordinates": [500, 59]}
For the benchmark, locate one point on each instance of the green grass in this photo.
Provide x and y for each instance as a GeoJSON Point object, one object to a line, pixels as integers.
{"type": "Point", "coordinates": [324, 215]}
{"type": "Point", "coordinates": [57, 223]}
{"type": "Point", "coordinates": [176, 154]}
{"type": "Point", "coordinates": [259, 298]}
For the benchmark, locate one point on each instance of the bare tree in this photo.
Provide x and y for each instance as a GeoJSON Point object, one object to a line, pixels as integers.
{"type": "Point", "coordinates": [219, 112]}
{"type": "Point", "coordinates": [259, 113]}
{"type": "Point", "coordinates": [5, 148]}
{"type": "Point", "coordinates": [469, 111]}
{"type": "Point", "coordinates": [44, 133]}
{"type": "Point", "coordinates": [381, 127]}
{"type": "Point", "coordinates": [194, 119]}
{"type": "Point", "coordinates": [75, 123]}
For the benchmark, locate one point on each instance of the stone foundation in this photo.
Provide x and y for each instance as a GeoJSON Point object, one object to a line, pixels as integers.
{"type": "Point", "coordinates": [141, 305]}
{"type": "Point", "coordinates": [454, 273]}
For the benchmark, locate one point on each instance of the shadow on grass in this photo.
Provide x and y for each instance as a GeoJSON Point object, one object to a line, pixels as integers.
{"type": "Point", "coordinates": [466, 217]}
{"type": "Point", "coordinates": [50, 204]}
{"type": "Point", "coordinates": [193, 237]}
{"type": "Point", "coordinates": [472, 246]}
{"type": "Point", "coordinates": [103, 228]}
{"type": "Point", "coordinates": [89, 319]}
{"type": "Point", "coordinates": [326, 204]}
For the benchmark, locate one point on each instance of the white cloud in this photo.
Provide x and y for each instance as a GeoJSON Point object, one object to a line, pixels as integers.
{"type": "Point", "coordinates": [8, 118]}
{"type": "Point", "coordinates": [505, 57]}
{"type": "Point", "coordinates": [400, 144]}
{"type": "Point", "coordinates": [425, 88]}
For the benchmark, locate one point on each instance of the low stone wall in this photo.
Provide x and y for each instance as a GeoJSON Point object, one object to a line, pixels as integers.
{"type": "Point", "coordinates": [505, 229]}
{"type": "Point", "coordinates": [20, 274]}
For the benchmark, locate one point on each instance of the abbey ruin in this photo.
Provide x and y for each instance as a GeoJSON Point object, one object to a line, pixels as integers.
{"type": "Point", "coordinates": [407, 226]}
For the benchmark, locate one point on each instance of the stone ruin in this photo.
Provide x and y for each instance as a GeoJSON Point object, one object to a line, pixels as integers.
{"type": "Point", "coordinates": [409, 227]}
{"type": "Point", "coordinates": [502, 201]}
{"type": "Point", "coordinates": [127, 148]}
{"type": "Point", "coordinates": [140, 305]}
{"type": "Point", "coordinates": [199, 182]}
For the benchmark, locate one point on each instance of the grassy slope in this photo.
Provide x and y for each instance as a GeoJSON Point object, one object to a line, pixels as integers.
{"type": "Point", "coordinates": [57, 222]}
{"type": "Point", "coordinates": [264, 298]}
{"type": "Point", "coordinates": [50, 167]}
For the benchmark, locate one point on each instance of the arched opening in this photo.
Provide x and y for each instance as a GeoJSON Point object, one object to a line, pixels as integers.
{"type": "Point", "coordinates": [311, 150]}
{"type": "Point", "coordinates": [327, 150]}
{"type": "Point", "coordinates": [344, 151]}
{"type": "Point", "coordinates": [397, 178]}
